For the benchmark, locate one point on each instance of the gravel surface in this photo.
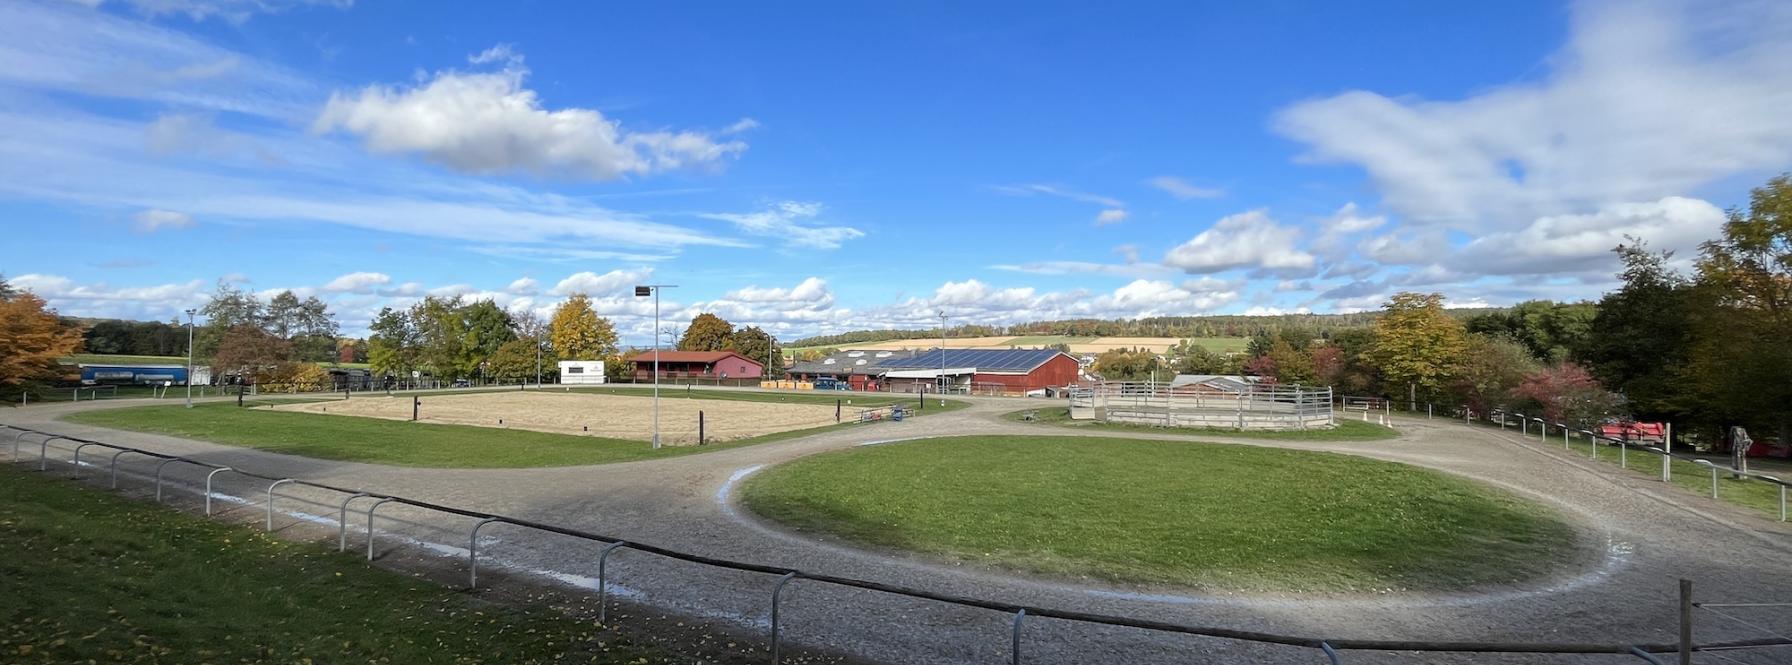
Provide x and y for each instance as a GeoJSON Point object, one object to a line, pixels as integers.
{"type": "Point", "coordinates": [1638, 537]}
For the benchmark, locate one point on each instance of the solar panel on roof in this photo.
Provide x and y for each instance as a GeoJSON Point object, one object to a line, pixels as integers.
{"type": "Point", "coordinates": [996, 360]}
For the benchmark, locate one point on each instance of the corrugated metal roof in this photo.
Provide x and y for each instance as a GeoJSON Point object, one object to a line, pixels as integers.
{"type": "Point", "coordinates": [987, 360]}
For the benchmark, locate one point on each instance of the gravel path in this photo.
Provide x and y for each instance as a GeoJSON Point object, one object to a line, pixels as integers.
{"type": "Point", "coordinates": [1638, 538]}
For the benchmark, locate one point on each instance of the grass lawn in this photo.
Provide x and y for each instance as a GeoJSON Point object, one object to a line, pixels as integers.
{"type": "Point", "coordinates": [1347, 429]}
{"type": "Point", "coordinates": [396, 442]}
{"type": "Point", "coordinates": [1209, 516]}
{"type": "Point", "coordinates": [94, 577]}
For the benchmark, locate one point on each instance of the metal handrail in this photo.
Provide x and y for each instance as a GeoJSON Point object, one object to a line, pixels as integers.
{"type": "Point", "coordinates": [1011, 608]}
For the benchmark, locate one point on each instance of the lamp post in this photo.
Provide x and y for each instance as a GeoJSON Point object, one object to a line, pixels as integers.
{"type": "Point", "coordinates": [538, 360]}
{"type": "Point", "coordinates": [654, 290]}
{"type": "Point", "coordinates": [942, 391]}
{"type": "Point", "coordinates": [190, 314]}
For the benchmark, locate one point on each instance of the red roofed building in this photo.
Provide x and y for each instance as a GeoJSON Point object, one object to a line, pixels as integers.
{"type": "Point", "coordinates": [696, 365]}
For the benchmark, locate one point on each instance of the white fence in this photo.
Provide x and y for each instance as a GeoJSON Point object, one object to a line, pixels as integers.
{"type": "Point", "coordinates": [1258, 407]}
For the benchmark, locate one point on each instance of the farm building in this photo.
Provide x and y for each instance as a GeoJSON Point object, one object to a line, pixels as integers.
{"type": "Point", "coordinates": [980, 371]}
{"type": "Point", "coordinates": [1212, 384]}
{"type": "Point", "coordinates": [580, 372]}
{"type": "Point", "coordinates": [696, 365]}
{"type": "Point", "coordinates": [852, 370]}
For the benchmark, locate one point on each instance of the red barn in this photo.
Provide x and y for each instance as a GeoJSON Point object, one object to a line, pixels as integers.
{"type": "Point", "coordinates": [696, 365]}
{"type": "Point", "coordinates": [981, 371]}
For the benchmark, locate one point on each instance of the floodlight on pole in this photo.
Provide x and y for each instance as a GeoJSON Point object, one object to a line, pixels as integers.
{"type": "Point", "coordinates": [190, 314]}
{"type": "Point", "coordinates": [654, 290]}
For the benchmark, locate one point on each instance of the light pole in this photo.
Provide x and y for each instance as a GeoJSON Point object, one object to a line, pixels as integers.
{"type": "Point", "coordinates": [654, 290]}
{"type": "Point", "coordinates": [942, 315]}
{"type": "Point", "coordinates": [190, 314]}
{"type": "Point", "coordinates": [538, 361]}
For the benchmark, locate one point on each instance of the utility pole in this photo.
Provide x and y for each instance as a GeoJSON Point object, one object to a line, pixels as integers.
{"type": "Point", "coordinates": [190, 313]}
{"type": "Point", "coordinates": [654, 290]}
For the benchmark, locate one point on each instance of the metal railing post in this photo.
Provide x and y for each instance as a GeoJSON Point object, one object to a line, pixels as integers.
{"type": "Point", "coordinates": [1782, 502]}
{"type": "Point", "coordinates": [208, 487]}
{"type": "Point", "coordinates": [473, 553]}
{"type": "Point", "coordinates": [159, 468]}
{"type": "Point", "coordinates": [370, 509]}
{"type": "Point", "coordinates": [43, 452]}
{"type": "Point", "coordinates": [77, 460]}
{"type": "Point", "coordinates": [342, 522]}
{"type": "Point", "coordinates": [1646, 656]}
{"type": "Point", "coordinates": [115, 464]}
{"type": "Point", "coordinates": [1330, 653]}
{"type": "Point", "coordinates": [277, 483]}
{"type": "Point", "coordinates": [777, 648]}
{"type": "Point", "coordinates": [1014, 646]}
{"type": "Point", "coordinates": [15, 442]}
{"type": "Point", "coordinates": [603, 588]}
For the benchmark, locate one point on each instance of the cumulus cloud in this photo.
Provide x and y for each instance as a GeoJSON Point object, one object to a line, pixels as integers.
{"type": "Point", "coordinates": [791, 222]}
{"type": "Point", "coordinates": [152, 220]}
{"type": "Point", "coordinates": [1246, 240]}
{"type": "Point", "coordinates": [159, 302]}
{"type": "Point", "coordinates": [610, 283]}
{"type": "Point", "coordinates": [488, 122]}
{"type": "Point", "coordinates": [358, 282]}
{"type": "Point", "coordinates": [523, 286]}
{"type": "Point", "coordinates": [1182, 189]}
{"type": "Point", "coordinates": [1578, 243]}
{"type": "Point", "coordinates": [1646, 100]}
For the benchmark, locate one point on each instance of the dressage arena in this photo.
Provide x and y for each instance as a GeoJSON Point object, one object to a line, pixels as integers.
{"type": "Point", "coordinates": [587, 414]}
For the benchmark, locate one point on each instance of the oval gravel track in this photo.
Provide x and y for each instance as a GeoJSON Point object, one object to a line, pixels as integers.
{"type": "Point", "coordinates": [1639, 538]}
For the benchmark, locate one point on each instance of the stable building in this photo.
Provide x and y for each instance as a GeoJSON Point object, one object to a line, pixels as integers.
{"type": "Point", "coordinates": [701, 365]}
{"type": "Point", "coordinates": [964, 371]}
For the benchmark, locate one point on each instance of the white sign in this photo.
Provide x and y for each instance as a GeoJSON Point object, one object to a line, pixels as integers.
{"type": "Point", "coordinates": [416, 374]}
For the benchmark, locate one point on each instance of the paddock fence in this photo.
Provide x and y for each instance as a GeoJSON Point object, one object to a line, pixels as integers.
{"type": "Point", "coordinates": [1254, 407]}
{"type": "Point", "coordinates": [780, 577]}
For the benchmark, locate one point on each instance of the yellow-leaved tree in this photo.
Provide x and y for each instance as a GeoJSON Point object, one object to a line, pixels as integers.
{"type": "Point", "coordinates": [32, 340]}
{"type": "Point", "coordinates": [578, 333]}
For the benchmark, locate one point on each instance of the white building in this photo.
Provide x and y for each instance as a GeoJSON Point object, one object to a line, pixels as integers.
{"type": "Point", "coordinates": [581, 371]}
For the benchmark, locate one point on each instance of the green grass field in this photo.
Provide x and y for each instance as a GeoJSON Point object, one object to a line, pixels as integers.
{"type": "Point", "coordinates": [1347, 429]}
{"type": "Point", "coordinates": [1208, 516]}
{"type": "Point", "coordinates": [91, 577]}
{"type": "Point", "coordinates": [378, 441]}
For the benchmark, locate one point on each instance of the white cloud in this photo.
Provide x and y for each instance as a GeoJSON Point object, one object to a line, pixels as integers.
{"type": "Point", "coordinates": [149, 221]}
{"type": "Point", "coordinates": [358, 282]}
{"type": "Point", "coordinates": [1030, 189]}
{"type": "Point", "coordinates": [159, 302]}
{"type": "Point", "coordinates": [1110, 216]}
{"type": "Point", "coordinates": [1246, 240]}
{"type": "Point", "coordinates": [615, 282]}
{"type": "Point", "coordinates": [1583, 243]}
{"type": "Point", "coordinates": [1182, 189]}
{"type": "Point", "coordinates": [234, 11]}
{"type": "Point", "coordinates": [487, 122]}
{"type": "Point", "coordinates": [788, 221]}
{"type": "Point", "coordinates": [1130, 269]}
{"type": "Point", "coordinates": [523, 286]}
{"type": "Point", "coordinates": [1646, 100]}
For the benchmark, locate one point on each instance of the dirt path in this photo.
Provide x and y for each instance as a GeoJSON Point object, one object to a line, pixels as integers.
{"type": "Point", "coordinates": [1639, 537]}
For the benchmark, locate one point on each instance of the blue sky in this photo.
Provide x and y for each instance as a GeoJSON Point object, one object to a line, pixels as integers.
{"type": "Point", "coordinates": [817, 167]}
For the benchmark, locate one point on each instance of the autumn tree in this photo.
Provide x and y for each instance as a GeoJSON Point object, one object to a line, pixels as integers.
{"type": "Point", "coordinates": [488, 327]}
{"type": "Point", "coordinates": [707, 332]}
{"type": "Point", "coordinates": [1126, 365]}
{"type": "Point", "coordinates": [1417, 345]}
{"type": "Point", "coordinates": [762, 347]}
{"type": "Point", "coordinates": [1292, 366]}
{"type": "Point", "coordinates": [33, 340]}
{"type": "Point", "coordinates": [1638, 342]}
{"type": "Point", "coordinates": [1740, 358]}
{"type": "Point", "coordinates": [1568, 394]}
{"type": "Point", "coordinates": [249, 352]}
{"type": "Point", "coordinates": [392, 344]}
{"type": "Point", "coordinates": [576, 332]}
{"type": "Point", "coordinates": [1492, 368]}
{"type": "Point", "coordinates": [228, 308]}
{"type": "Point", "coordinates": [514, 360]}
